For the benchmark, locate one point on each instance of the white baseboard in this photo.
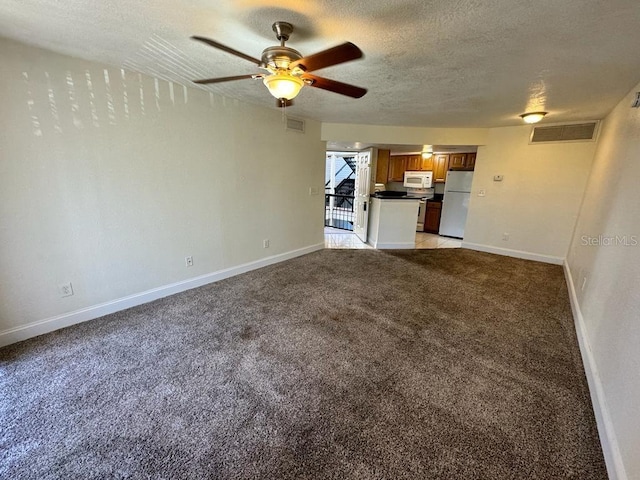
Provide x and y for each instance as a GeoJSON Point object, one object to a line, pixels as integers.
{"type": "Point", "coordinates": [40, 327]}
{"type": "Point", "coordinates": [514, 253]}
{"type": "Point", "coordinates": [606, 432]}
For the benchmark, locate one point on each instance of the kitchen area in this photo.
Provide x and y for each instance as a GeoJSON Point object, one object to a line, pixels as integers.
{"type": "Point", "coordinates": [420, 199]}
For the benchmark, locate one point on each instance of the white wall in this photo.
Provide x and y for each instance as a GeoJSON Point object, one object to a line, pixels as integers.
{"type": "Point", "coordinates": [609, 305]}
{"type": "Point", "coordinates": [109, 184]}
{"type": "Point", "coordinates": [538, 201]}
{"type": "Point", "coordinates": [384, 134]}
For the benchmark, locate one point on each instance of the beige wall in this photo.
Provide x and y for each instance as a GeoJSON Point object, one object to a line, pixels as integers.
{"type": "Point", "coordinates": [537, 202]}
{"type": "Point", "coordinates": [110, 184]}
{"type": "Point", "coordinates": [609, 303]}
{"type": "Point", "coordinates": [341, 132]}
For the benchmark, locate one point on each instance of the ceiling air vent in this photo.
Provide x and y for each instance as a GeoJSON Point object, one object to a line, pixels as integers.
{"type": "Point", "coordinates": [295, 124]}
{"type": "Point", "coordinates": [574, 132]}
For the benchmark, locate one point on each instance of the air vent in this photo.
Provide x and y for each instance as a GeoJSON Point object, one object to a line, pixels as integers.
{"type": "Point", "coordinates": [295, 124]}
{"type": "Point", "coordinates": [575, 132]}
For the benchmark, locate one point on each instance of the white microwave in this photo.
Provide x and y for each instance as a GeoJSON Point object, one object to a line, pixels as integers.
{"type": "Point", "coordinates": [418, 179]}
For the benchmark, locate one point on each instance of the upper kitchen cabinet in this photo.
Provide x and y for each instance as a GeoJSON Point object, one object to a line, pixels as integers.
{"type": "Point", "coordinates": [426, 164]}
{"type": "Point", "coordinates": [462, 161]}
{"type": "Point", "coordinates": [470, 163]}
{"type": "Point", "coordinates": [382, 166]}
{"type": "Point", "coordinates": [416, 163]}
{"type": "Point", "coordinates": [413, 162]}
{"type": "Point", "coordinates": [440, 167]}
{"type": "Point", "coordinates": [397, 167]}
{"type": "Point", "coordinates": [456, 160]}
{"type": "Point", "coordinates": [438, 163]}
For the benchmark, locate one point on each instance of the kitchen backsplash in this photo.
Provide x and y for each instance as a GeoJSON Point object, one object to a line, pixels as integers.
{"type": "Point", "coordinates": [398, 187]}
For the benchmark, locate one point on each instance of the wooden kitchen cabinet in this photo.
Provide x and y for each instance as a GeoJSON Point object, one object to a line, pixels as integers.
{"type": "Point", "coordinates": [440, 168]}
{"type": "Point", "coordinates": [382, 166]}
{"type": "Point", "coordinates": [397, 167]}
{"type": "Point", "coordinates": [419, 164]}
{"type": "Point", "coordinates": [462, 161]}
{"type": "Point", "coordinates": [457, 161]}
{"type": "Point", "coordinates": [470, 162]}
{"type": "Point", "coordinates": [432, 217]}
{"type": "Point", "coordinates": [426, 164]}
{"type": "Point", "coordinates": [414, 163]}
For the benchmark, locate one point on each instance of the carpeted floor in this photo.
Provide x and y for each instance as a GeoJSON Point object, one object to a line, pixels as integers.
{"type": "Point", "coordinates": [342, 364]}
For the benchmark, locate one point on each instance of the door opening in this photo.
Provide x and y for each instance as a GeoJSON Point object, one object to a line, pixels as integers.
{"type": "Point", "coordinates": [339, 189]}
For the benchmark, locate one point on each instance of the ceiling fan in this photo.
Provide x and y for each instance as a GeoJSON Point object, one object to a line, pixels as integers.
{"type": "Point", "coordinates": [288, 71]}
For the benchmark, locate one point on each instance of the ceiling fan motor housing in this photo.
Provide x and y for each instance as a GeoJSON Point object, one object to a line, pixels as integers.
{"type": "Point", "coordinates": [279, 57]}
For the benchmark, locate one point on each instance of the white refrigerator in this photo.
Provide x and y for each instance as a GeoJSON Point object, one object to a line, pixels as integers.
{"type": "Point", "coordinates": [457, 190]}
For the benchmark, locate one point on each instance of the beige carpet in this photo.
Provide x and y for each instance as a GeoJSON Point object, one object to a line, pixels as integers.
{"type": "Point", "coordinates": [342, 364]}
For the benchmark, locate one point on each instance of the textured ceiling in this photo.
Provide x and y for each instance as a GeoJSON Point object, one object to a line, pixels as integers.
{"type": "Point", "coordinates": [440, 63]}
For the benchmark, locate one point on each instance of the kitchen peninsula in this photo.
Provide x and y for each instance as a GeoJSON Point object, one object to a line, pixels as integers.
{"type": "Point", "coordinates": [392, 220]}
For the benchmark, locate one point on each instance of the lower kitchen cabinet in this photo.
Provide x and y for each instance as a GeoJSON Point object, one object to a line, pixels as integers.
{"type": "Point", "coordinates": [432, 217]}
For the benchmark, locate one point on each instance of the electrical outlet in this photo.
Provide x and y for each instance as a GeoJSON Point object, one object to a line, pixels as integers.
{"type": "Point", "coordinates": [188, 261]}
{"type": "Point", "coordinates": [265, 243]}
{"type": "Point", "coordinates": [505, 236]}
{"type": "Point", "coordinates": [482, 192]}
{"type": "Point", "coordinates": [65, 289]}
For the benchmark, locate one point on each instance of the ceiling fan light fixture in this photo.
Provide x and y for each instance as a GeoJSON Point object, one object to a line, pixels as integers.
{"type": "Point", "coordinates": [282, 85]}
{"type": "Point", "coordinates": [532, 117]}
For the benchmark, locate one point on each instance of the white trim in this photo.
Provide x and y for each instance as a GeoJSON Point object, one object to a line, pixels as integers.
{"type": "Point", "coordinates": [402, 245]}
{"type": "Point", "coordinates": [40, 327]}
{"type": "Point", "coordinates": [514, 253]}
{"type": "Point", "coordinates": [606, 432]}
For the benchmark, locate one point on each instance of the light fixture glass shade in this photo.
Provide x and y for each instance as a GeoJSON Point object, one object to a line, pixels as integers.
{"type": "Point", "coordinates": [283, 86]}
{"type": "Point", "coordinates": [533, 117]}
{"type": "Point", "coordinates": [427, 154]}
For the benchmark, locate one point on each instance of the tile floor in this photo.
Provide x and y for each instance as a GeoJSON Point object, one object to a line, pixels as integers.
{"type": "Point", "coordinates": [336, 238]}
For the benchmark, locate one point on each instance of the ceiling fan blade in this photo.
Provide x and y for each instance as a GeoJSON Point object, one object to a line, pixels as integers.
{"type": "Point", "coordinates": [206, 81]}
{"type": "Point", "coordinates": [327, 58]}
{"type": "Point", "coordinates": [335, 86]}
{"type": "Point", "coordinates": [230, 50]}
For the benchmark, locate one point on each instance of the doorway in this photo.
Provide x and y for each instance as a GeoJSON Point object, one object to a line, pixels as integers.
{"type": "Point", "coordinates": [339, 190]}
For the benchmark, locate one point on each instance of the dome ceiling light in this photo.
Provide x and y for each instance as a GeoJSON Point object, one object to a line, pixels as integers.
{"type": "Point", "coordinates": [533, 117]}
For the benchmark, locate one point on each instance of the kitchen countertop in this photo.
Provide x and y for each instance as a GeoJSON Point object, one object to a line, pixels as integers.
{"type": "Point", "coordinates": [391, 195]}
